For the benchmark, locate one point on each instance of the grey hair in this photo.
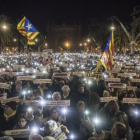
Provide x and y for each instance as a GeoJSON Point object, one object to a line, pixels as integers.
{"type": "Point", "coordinates": [65, 86]}
{"type": "Point", "coordinates": [55, 94]}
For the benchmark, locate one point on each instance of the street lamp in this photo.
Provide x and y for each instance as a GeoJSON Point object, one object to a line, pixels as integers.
{"type": "Point", "coordinates": [68, 46]}
{"type": "Point", "coordinates": [15, 39]}
{"type": "Point", "coordinates": [112, 28]}
{"type": "Point", "coordinates": [80, 44]}
{"type": "Point", "coordinates": [36, 40]}
{"type": "Point", "coordinates": [88, 40]}
{"type": "Point", "coordinates": [4, 27]}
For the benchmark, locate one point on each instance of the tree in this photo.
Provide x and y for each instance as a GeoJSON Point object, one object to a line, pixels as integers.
{"type": "Point", "coordinates": [99, 31]}
{"type": "Point", "coordinates": [6, 34]}
{"type": "Point", "coordinates": [121, 41]}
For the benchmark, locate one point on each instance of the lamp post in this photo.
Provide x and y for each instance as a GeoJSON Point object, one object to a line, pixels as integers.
{"type": "Point", "coordinates": [68, 46]}
{"type": "Point", "coordinates": [4, 27]}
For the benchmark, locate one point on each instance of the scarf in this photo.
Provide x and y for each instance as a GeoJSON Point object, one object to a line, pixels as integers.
{"type": "Point", "coordinates": [41, 91]}
{"type": "Point", "coordinates": [7, 117]}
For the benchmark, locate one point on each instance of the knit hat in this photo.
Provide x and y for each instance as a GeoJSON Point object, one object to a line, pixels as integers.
{"type": "Point", "coordinates": [12, 105]}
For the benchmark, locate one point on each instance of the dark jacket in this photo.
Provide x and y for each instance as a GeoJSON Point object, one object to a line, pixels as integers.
{"type": "Point", "coordinates": [8, 125]}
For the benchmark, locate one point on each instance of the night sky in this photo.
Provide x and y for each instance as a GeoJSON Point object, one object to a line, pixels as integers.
{"type": "Point", "coordinates": [67, 11]}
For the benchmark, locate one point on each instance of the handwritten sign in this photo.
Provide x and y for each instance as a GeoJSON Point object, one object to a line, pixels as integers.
{"type": "Point", "coordinates": [131, 100]}
{"type": "Point", "coordinates": [117, 85]}
{"type": "Point", "coordinates": [107, 99]}
{"type": "Point", "coordinates": [38, 81]}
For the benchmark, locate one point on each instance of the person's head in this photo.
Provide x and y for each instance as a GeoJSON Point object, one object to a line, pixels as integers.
{"type": "Point", "coordinates": [66, 90]}
{"type": "Point", "coordinates": [35, 105]}
{"type": "Point", "coordinates": [43, 86]}
{"type": "Point", "coordinates": [10, 107]}
{"type": "Point", "coordinates": [56, 96]}
{"type": "Point", "coordinates": [22, 121]}
{"type": "Point", "coordinates": [81, 89]}
{"type": "Point", "coordinates": [111, 106]}
{"type": "Point", "coordinates": [122, 117]}
{"type": "Point", "coordinates": [81, 106]}
{"type": "Point", "coordinates": [35, 137]}
{"type": "Point", "coordinates": [128, 83]}
{"type": "Point", "coordinates": [54, 113]}
{"type": "Point", "coordinates": [49, 127]}
{"type": "Point", "coordinates": [62, 82]}
{"type": "Point", "coordinates": [118, 130]}
{"type": "Point", "coordinates": [131, 94]}
{"type": "Point", "coordinates": [18, 88]}
{"type": "Point", "coordinates": [106, 93]}
{"type": "Point", "coordinates": [28, 84]}
{"type": "Point", "coordinates": [18, 82]}
{"type": "Point", "coordinates": [36, 93]}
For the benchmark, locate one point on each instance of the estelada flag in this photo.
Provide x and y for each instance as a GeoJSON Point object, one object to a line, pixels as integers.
{"type": "Point", "coordinates": [26, 28]}
{"type": "Point", "coordinates": [107, 56]}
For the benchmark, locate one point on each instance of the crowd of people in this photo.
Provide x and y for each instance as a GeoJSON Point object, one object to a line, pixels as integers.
{"type": "Point", "coordinates": [69, 77]}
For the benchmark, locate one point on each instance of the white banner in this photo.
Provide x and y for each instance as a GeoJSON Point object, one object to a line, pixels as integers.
{"type": "Point", "coordinates": [5, 86]}
{"type": "Point", "coordinates": [117, 85]}
{"type": "Point", "coordinates": [112, 79]}
{"type": "Point", "coordinates": [107, 99]}
{"type": "Point", "coordinates": [38, 81]}
{"type": "Point", "coordinates": [10, 99]}
{"type": "Point", "coordinates": [20, 78]}
{"type": "Point", "coordinates": [17, 73]}
{"type": "Point", "coordinates": [57, 103]}
{"type": "Point", "coordinates": [130, 74]}
{"type": "Point", "coordinates": [17, 132]}
{"type": "Point", "coordinates": [131, 100]}
{"type": "Point", "coordinates": [131, 88]}
{"type": "Point", "coordinates": [123, 75]}
{"type": "Point", "coordinates": [129, 67]}
{"type": "Point", "coordinates": [61, 75]}
{"type": "Point", "coordinates": [15, 67]}
{"type": "Point", "coordinates": [135, 80]}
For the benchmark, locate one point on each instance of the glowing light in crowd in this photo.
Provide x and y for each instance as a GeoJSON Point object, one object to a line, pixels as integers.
{"type": "Point", "coordinates": [96, 121]}
{"type": "Point", "coordinates": [42, 102]}
{"type": "Point", "coordinates": [34, 129]}
{"type": "Point", "coordinates": [86, 112]}
{"type": "Point", "coordinates": [49, 96]}
{"type": "Point", "coordinates": [136, 112]}
{"type": "Point", "coordinates": [29, 109]}
{"type": "Point", "coordinates": [89, 82]}
{"type": "Point", "coordinates": [72, 136]}
{"type": "Point", "coordinates": [23, 92]}
{"type": "Point", "coordinates": [64, 110]}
